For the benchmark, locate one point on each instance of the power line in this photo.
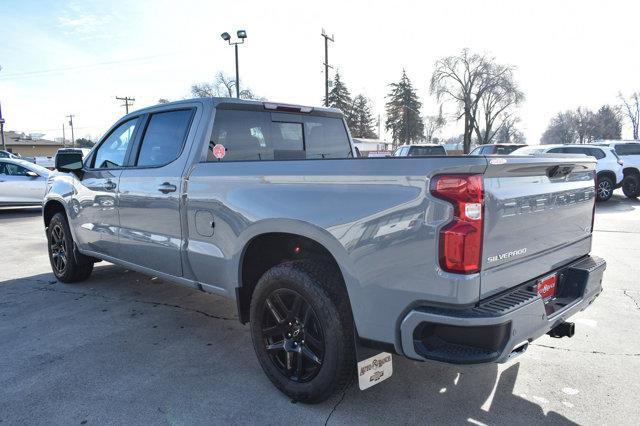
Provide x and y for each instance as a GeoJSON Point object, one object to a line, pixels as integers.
{"type": "Point", "coordinates": [126, 100]}
{"type": "Point", "coordinates": [73, 141]}
{"type": "Point", "coordinates": [40, 73]}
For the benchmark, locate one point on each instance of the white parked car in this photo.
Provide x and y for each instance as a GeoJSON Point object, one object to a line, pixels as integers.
{"type": "Point", "coordinates": [608, 168]}
{"type": "Point", "coordinates": [630, 154]}
{"type": "Point", "coordinates": [21, 182]}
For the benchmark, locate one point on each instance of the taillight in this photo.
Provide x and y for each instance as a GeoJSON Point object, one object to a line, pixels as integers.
{"type": "Point", "coordinates": [461, 239]}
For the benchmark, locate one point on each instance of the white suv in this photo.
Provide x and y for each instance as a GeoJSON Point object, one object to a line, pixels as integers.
{"type": "Point", "coordinates": [608, 168]}
{"type": "Point", "coordinates": [630, 154]}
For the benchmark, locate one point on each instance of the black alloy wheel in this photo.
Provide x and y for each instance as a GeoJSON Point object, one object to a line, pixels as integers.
{"type": "Point", "coordinates": [292, 335]}
{"type": "Point", "coordinates": [58, 247]}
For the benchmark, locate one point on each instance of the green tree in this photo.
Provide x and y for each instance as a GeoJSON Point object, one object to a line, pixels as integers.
{"type": "Point", "coordinates": [339, 97]}
{"type": "Point", "coordinates": [84, 143]}
{"type": "Point", "coordinates": [403, 112]}
{"type": "Point", "coordinates": [362, 122]}
{"type": "Point", "coordinates": [608, 123]}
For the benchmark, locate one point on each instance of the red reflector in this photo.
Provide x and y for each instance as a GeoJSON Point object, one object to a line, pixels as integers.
{"type": "Point", "coordinates": [461, 240]}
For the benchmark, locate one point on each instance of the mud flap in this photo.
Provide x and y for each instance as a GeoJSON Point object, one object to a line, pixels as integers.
{"type": "Point", "coordinates": [373, 366]}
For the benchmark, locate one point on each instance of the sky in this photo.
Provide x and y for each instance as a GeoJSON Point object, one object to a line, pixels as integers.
{"type": "Point", "coordinates": [74, 57]}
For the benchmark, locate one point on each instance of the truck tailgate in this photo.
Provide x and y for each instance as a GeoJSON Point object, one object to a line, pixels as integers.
{"type": "Point", "coordinates": [538, 217]}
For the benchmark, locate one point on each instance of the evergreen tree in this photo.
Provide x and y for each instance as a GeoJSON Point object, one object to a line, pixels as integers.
{"type": "Point", "coordinates": [403, 112]}
{"type": "Point", "coordinates": [339, 97]}
{"type": "Point", "coordinates": [361, 119]}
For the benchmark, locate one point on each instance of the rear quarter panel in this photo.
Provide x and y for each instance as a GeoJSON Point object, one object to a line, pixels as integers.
{"type": "Point", "coordinates": [375, 216]}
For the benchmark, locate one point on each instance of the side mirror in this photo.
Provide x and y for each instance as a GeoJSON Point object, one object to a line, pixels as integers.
{"type": "Point", "coordinates": [32, 174]}
{"type": "Point", "coordinates": [69, 162]}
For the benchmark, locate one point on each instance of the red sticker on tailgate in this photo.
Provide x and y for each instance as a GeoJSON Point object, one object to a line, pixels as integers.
{"type": "Point", "coordinates": [547, 286]}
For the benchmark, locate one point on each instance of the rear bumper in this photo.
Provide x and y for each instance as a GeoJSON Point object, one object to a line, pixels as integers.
{"type": "Point", "coordinates": [501, 327]}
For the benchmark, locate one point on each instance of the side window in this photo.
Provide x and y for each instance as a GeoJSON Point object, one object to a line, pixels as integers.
{"type": "Point", "coordinates": [2, 169]}
{"type": "Point", "coordinates": [595, 152]}
{"type": "Point", "coordinates": [112, 151]}
{"type": "Point", "coordinates": [164, 137]}
{"type": "Point", "coordinates": [397, 152]}
{"type": "Point", "coordinates": [628, 149]}
{"type": "Point", "coordinates": [556, 151]}
{"type": "Point", "coordinates": [15, 170]}
{"type": "Point", "coordinates": [326, 137]}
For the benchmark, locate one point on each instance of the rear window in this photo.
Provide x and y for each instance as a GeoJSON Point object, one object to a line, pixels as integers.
{"type": "Point", "coordinates": [256, 135]}
{"type": "Point", "coordinates": [628, 149]}
{"type": "Point", "coordinates": [420, 151]}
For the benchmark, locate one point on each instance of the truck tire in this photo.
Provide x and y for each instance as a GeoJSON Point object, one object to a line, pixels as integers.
{"type": "Point", "coordinates": [302, 330]}
{"type": "Point", "coordinates": [67, 266]}
{"type": "Point", "coordinates": [631, 186]}
{"type": "Point", "coordinates": [604, 188]}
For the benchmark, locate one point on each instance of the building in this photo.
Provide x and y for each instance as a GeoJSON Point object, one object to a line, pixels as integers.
{"type": "Point", "coordinates": [29, 146]}
{"type": "Point", "coordinates": [372, 146]}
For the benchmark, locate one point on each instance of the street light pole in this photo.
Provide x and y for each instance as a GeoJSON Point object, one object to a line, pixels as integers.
{"type": "Point", "coordinates": [237, 73]}
{"type": "Point", "coordinates": [242, 35]}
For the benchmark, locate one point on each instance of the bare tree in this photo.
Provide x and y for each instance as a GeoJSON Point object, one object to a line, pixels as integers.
{"type": "Point", "coordinates": [509, 132]}
{"type": "Point", "coordinates": [223, 86]}
{"type": "Point", "coordinates": [465, 79]}
{"type": "Point", "coordinates": [496, 105]}
{"type": "Point", "coordinates": [632, 110]}
{"type": "Point", "coordinates": [433, 124]}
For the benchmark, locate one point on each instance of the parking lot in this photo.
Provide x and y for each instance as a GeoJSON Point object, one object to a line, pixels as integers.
{"type": "Point", "coordinates": [126, 348]}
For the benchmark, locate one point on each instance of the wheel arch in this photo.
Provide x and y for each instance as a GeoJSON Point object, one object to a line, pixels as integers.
{"type": "Point", "coordinates": [630, 171]}
{"type": "Point", "coordinates": [274, 244]}
{"type": "Point", "coordinates": [607, 173]}
{"type": "Point", "coordinates": [50, 208]}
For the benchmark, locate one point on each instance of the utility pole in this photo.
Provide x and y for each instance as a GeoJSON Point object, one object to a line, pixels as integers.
{"type": "Point", "coordinates": [73, 141]}
{"type": "Point", "coordinates": [126, 100]}
{"type": "Point", "coordinates": [327, 39]}
{"type": "Point", "coordinates": [64, 140]}
{"type": "Point", "coordinates": [4, 147]}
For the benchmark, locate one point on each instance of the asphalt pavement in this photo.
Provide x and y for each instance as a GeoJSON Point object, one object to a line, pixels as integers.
{"type": "Point", "coordinates": [124, 348]}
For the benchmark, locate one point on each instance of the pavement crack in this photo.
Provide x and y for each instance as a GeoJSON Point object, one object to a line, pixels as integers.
{"type": "Point", "coordinates": [585, 352]}
{"type": "Point", "coordinates": [337, 404]}
{"type": "Point", "coordinates": [146, 302]}
{"type": "Point", "coordinates": [626, 293]}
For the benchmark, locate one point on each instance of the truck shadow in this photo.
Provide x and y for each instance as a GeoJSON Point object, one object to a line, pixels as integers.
{"type": "Point", "coordinates": [139, 335]}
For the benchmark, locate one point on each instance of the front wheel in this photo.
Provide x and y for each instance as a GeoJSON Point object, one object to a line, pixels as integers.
{"type": "Point", "coordinates": [302, 330]}
{"type": "Point", "coordinates": [631, 186]}
{"type": "Point", "coordinates": [66, 266]}
{"type": "Point", "coordinates": [604, 188]}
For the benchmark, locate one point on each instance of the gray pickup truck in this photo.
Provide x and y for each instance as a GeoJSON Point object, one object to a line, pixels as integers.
{"type": "Point", "coordinates": [459, 259]}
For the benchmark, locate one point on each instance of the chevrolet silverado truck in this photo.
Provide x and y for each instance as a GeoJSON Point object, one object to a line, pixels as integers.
{"type": "Point", "coordinates": [458, 259]}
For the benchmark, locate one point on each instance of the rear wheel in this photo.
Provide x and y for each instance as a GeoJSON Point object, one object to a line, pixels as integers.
{"type": "Point", "coordinates": [67, 266]}
{"type": "Point", "coordinates": [604, 188]}
{"type": "Point", "coordinates": [302, 330]}
{"type": "Point", "coordinates": [631, 186]}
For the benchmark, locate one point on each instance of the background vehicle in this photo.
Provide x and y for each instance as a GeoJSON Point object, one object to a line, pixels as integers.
{"type": "Point", "coordinates": [496, 149]}
{"type": "Point", "coordinates": [436, 258]}
{"type": "Point", "coordinates": [7, 154]}
{"type": "Point", "coordinates": [46, 162]}
{"type": "Point", "coordinates": [21, 182]}
{"type": "Point", "coordinates": [419, 150]}
{"type": "Point", "coordinates": [608, 168]}
{"type": "Point", "coordinates": [630, 154]}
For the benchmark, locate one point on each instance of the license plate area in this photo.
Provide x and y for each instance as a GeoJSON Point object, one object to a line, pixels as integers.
{"type": "Point", "coordinates": [546, 286]}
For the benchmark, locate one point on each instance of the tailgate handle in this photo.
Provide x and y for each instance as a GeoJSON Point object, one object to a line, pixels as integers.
{"type": "Point", "coordinates": [559, 171]}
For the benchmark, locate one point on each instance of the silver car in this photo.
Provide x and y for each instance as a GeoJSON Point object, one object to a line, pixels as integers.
{"type": "Point", "coordinates": [21, 182]}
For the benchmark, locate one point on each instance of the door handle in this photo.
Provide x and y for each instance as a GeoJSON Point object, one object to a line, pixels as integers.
{"type": "Point", "coordinates": [109, 185]}
{"type": "Point", "coordinates": [166, 188]}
